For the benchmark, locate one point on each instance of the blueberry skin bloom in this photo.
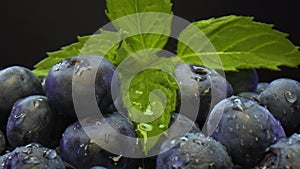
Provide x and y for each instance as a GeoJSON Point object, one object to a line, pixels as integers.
{"type": "Point", "coordinates": [16, 82]}
{"type": "Point", "coordinates": [58, 84]}
{"type": "Point", "coordinates": [31, 120]}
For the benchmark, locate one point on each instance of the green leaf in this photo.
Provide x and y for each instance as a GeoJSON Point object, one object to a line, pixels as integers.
{"type": "Point", "coordinates": [146, 26]}
{"type": "Point", "coordinates": [104, 44]}
{"type": "Point", "coordinates": [149, 96]}
{"type": "Point", "coordinates": [147, 23]}
{"type": "Point", "coordinates": [240, 43]}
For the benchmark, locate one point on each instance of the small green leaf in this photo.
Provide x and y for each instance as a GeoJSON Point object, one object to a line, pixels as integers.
{"type": "Point", "coordinates": [240, 43]}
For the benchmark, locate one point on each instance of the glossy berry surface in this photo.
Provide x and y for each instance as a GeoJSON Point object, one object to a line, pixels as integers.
{"type": "Point", "coordinates": [261, 87]}
{"type": "Point", "coordinates": [32, 120]}
{"type": "Point", "coordinates": [245, 128]}
{"type": "Point", "coordinates": [282, 99]}
{"type": "Point", "coordinates": [193, 151]}
{"type": "Point", "coordinates": [200, 86]}
{"type": "Point", "coordinates": [16, 82]}
{"type": "Point", "coordinates": [82, 151]}
{"type": "Point", "coordinates": [283, 154]}
{"type": "Point", "coordinates": [31, 156]}
{"type": "Point", "coordinates": [58, 84]}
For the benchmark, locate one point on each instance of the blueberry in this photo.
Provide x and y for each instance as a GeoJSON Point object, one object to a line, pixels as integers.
{"type": "Point", "coordinates": [261, 87]}
{"type": "Point", "coordinates": [282, 99]}
{"type": "Point", "coordinates": [183, 122]}
{"type": "Point", "coordinates": [193, 151]}
{"type": "Point", "coordinates": [2, 142]}
{"type": "Point", "coordinates": [81, 151]}
{"type": "Point", "coordinates": [31, 120]}
{"type": "Point", "coordinates": [245, 128]}
{"type": "Point", "coordinates": [196, 84]}
{"type": "Point", "coordinates": [58, 84]}
{"type": "Point", "coordinates": [283, 154]}
{"type": "Point", "coordinates": [245, 80]}
{"type": "Point", "coordinates": [249, 95]}
{"type": "Point", "coordinates": [16, 82]}
{"type": "Point", "coordinates": [31, 156]}
{"type": "Point", "coordinates": [98, 167]}
{"type": "Point", "coordinates": [184, 126]}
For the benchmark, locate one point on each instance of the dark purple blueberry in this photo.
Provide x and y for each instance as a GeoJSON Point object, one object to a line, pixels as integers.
{"type": "Point", "coordinates": [184, 123]}
{"type": "Point", "coordinates": [245, 80]}
{"type": "Point", "coordinates": [199, 85]}
{"type": "Point", "coordinates": [31, 120]}
{"type": "Point", "coordinates": [98, 167]}
{"type": "Point", "coordinates": [83, 152]}
{"type": "Point", "coordinates": [282, 99]}
{"type": "Point", "coordinates": [193, 151]}
{"type": "Point", "coordinates": [284, 154]}
{"type": "Point", "coordinates": [43, 82]}
{"type": "Point", "coordinates": [16, 82]}
{"type": "Point", "coordinates": [261, 87]}
{"type": "Point", "coordinates": [184, 126]}
{"type": "Point", "coordinates": [2, 142]}
{"type": "Point", "coordinates": [31, 156]}
{"type": "Point", "coordinates": [58, 85]}
{"type": "Point", "coordinates": [245, 128]}
{"type": "Point", "coordinates": [249, 95]}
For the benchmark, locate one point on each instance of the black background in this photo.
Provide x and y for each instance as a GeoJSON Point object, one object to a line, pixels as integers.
{"type": "Point", "coordinates": [28, 29]}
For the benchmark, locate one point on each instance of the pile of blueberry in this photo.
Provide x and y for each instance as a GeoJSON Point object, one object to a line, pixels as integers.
{"type": "Point", "coordinates": [257, 122]}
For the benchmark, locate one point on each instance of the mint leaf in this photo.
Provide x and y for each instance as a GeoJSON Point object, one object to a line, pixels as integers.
{"type": "Point", "coordinates": [43, 67]}
{"type": "Point", "coordinates": [146, 26]}
{"type": "Point", "coordinates": [120, 8]}
{"type": "Point", "coordinates": [146, 22]}
{"type": "Point", "coordinates": [149, 95]}
{"type": "Point", "coordinates": [241, 43]}
{"type": "Point", "coordinates": [104, 44]}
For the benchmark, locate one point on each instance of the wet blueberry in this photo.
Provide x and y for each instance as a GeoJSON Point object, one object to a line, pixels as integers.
{"type": "Point", "coordinates": [199, 86]}
{"type": "Point", "coordinates": [58, 84]}
{"type": "Point", "coordinates": [249, 95]}
{"type": "Point", "coordinates": [261, 87]}
{"type": "Point", "coordinates": [98, 167]}
{"type": "Point", "coordinates": [32, 120]}
{"type": "Point", "coordinates": [282, 99]}
{"type": "Point", "coordinates": [16, 82]}
{"type": "Point", "coordinates": [245, 128]}
{"type": "Point", "coordinates": [283, 154]}
{"type": "Point", "coordinates": [84, 152]}
{"type": "Point", "coordinates": [192, 151]}
{"type": "Point", "coordinates": [31, 156]}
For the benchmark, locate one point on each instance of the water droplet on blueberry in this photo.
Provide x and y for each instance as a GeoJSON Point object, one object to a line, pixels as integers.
{"type": "Point", "coordinates": [50, 154]}
{"type": "Point", "coordinates": [290, 97]}
{"type": "Point", "coordinates": [31, 160]}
